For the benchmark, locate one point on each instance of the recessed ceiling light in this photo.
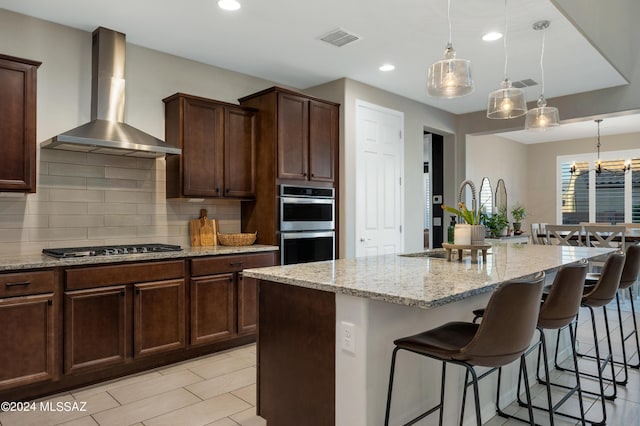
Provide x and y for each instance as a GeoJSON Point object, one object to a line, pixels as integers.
{"type": "Point", "coordinates": [229, 4]}
{"type": "Point", "coordinates": [387, 67]}
{"type": "Point", "coordinates": [492, 36]}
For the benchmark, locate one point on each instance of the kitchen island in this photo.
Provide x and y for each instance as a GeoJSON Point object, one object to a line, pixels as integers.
{"type": "Point", "coordinates": [326, 330]}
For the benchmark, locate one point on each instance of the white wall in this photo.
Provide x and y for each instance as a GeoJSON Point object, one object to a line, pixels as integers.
{"type": "Point", "coordinates": [100, 199]}
{"type": "Point", "coordinates": [498, 158]}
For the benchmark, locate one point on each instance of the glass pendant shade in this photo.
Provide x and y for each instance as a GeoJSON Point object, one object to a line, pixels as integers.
{"type": "Point", "coordinates": [450, 77]}
{"type": "Point", "coordinates": [542, 117]}
{"type": "Point", "coordinates": [507, 102]}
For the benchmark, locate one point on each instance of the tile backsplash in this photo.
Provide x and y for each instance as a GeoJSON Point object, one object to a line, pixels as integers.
{"type": "Point", "coordinates": [95, 199]}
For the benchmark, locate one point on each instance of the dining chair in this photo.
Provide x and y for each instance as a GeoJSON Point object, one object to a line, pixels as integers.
{"type": "Point", "coordinates": [605, 236]}
{"type": "Point", "coordinates": [564, 235]}
{"type": "Point", "coordinates": [535, 230]}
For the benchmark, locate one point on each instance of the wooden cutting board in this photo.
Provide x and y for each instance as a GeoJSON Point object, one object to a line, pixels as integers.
{"type": "Point", "coordinates": [203, 231]}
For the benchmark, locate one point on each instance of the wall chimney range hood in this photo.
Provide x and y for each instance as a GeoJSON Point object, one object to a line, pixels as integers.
{"type": "Point", "coordinates": [107, 133]}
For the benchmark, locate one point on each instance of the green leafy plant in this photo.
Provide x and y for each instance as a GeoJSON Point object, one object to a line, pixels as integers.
{"type": "Point", "coordinates": [472, 217]}
{"type": "Point", "coordinates": [496, 222]}
{"type": "Point", "coordinates": [518, 212]}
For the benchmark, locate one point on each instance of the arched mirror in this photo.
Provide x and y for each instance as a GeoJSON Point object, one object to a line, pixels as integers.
{"type": "Point", "coordinates": [486, 196]}
{"type": "Point", "coordinates": [501, 196]}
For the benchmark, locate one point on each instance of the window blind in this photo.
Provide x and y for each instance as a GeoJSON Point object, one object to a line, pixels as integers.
{"type": "Point", "coordinates": [610, 192]}
{"type": "Point", "coordinates": [575, 193]}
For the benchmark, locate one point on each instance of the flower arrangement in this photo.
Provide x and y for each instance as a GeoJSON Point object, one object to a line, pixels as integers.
{"type": "Point", "coordinates": [472, 217]}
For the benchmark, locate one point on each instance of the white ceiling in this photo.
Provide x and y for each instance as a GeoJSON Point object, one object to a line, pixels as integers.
{"type": "Point", "coordinates": [279, 40]}
{"type": "Point", "coordinates": [610, 125]}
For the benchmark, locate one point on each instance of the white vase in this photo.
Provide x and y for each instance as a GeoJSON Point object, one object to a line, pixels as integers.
{"type": "Point", "coordinates": [462, 234]}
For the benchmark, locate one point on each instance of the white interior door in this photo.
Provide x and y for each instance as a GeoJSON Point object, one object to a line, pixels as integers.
{"type": "Point", "coordinates": [379, 172]}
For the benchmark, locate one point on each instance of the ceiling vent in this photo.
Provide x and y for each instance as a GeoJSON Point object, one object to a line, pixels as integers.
{"type": "Point", "coordinates": [527, 82]}
{"type": "Point", "coordinates": [339, 37]}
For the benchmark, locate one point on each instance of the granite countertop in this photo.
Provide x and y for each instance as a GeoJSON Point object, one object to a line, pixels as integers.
{"type": "Point", "coordinates": [426, 282]}
{"type": "Point", "coordinates": [10, 263]}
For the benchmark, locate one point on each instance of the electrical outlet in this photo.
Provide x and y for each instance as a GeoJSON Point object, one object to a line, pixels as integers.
{"type": "Point", "coordinates": [348, 336]}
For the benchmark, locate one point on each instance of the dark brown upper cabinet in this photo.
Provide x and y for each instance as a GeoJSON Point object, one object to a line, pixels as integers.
{"type": "Point", "coordinates": [297, 144]}
{"type": "Point", "coordinates": [218, 148]}
{"type": "Point", "coordinates": [18, 82]}
{"type": "Point", "coordinates": [305, 130]}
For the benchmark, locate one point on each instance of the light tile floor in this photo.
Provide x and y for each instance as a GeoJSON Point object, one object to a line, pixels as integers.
{"type": "Point", "coordinates": [214, 390]}
{"type": "Point", "coordinates": [220, 390]}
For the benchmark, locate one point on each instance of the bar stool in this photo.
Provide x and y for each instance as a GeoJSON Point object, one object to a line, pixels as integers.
{"type": "Point", "coordinates": [558, 311]}
{"type": "Point", "coordinates": [629, 277]}
{"type": "Point", "coordinates": [502, 337]}
{"type": "Point", "coordinates": [599, 296]}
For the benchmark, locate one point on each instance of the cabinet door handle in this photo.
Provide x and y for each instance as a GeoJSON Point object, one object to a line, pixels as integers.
{"type": "Point", "coordinates": [50, 302]}
{"type": "Point", "coordinates": [236, 263]}
{"type": "Point", "coordinates": [24, 283]}
{"type": "Point", "coordinates": [137, 291]}
{"type": "Point", "coordinates": [227, 190]}
{"type": "Point", "coordinates": [122, 293]}
{"type": "Point", "coordinates": [217, 190]}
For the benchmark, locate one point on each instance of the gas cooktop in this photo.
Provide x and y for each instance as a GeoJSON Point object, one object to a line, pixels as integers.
{"type": "Point", "coordinates": [109, 250]}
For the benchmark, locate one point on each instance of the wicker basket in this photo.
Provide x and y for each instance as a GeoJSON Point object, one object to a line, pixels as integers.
{"type": "Point", "coordinates": [243, 239]}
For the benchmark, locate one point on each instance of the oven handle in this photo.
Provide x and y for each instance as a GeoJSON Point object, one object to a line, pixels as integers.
{"type": "Point", "coordinates": [298, 235]}
{"type": "Point", "coordinates": [295, 200]}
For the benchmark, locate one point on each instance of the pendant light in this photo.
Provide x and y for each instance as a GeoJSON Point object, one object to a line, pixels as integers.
{"type": "Point", "coordinates": [450, 77]}
{"type": "Point", "coordinates": [598, 163]}
{"type": "Point", "coordinates": [508, 101]}
{"type": "Point", "coordinates": [542, 117]}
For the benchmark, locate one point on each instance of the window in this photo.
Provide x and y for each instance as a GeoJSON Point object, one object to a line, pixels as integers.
{"type": "Point", "coordinates": [612, 196]}
{"type": "Point", "coordinates": [610, 193]}
{"type": "Point", "coordinates": [575, 193]}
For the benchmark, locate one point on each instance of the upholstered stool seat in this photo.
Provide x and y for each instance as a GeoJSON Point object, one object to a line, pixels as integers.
{"type": "Point", "coordinates": [502, 337]}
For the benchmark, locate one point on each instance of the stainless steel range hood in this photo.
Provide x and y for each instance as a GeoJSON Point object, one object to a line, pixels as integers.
{"type": "Point", "coordinates": [107, 133]}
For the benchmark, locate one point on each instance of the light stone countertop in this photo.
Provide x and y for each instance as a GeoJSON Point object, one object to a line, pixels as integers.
{"type": "Point", "coordinates": [36, 261]}
{"type": "Point", "coordinates": [423, 281]}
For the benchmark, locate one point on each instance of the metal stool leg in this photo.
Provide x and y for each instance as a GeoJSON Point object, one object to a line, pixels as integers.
{"type": "Point", "coordinates": [426, 413]}
{"type": "Point", "coordinates": [393, 368]}
{"type": "Point", "coordinates": [635, 330]}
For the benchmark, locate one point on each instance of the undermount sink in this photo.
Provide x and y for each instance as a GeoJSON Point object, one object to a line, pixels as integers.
{"type": "Point", "coordinates": [436, 253]}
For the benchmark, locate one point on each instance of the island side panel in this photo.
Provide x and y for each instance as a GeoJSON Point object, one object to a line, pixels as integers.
{"type": "Point", "coordinates": [296, 355]}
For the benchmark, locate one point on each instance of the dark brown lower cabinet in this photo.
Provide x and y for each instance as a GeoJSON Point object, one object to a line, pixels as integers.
{"type": "Point", "coordinates": [70, 326]}
{"type": "Point", "coordinates": [247, 305]}
{"type": "Point", "coordinates": [158, 317]}
{"type": "Point", "coordinates": [212, 314]}
{"type": "Point", "coordinates": [96, 328]}
{"type": "Point", "coordinates": [27, 340]}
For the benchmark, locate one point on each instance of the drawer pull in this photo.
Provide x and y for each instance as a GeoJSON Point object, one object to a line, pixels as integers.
{"type": "Point", "coordinates": [236, 263]}
{"type": "Point", "coordinates": [23, 284]}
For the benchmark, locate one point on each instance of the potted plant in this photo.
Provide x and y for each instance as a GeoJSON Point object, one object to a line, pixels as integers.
{"type": "Point", "coordinates": [496, 223]}
{"type": "Point", "coordinates": [518, 213]}
{"type": "Point", "coordinates": [473, 221]}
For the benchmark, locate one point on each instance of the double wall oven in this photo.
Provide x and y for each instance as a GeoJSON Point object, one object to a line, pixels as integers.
{"type": "Point", "coordinates": [307, 224]}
